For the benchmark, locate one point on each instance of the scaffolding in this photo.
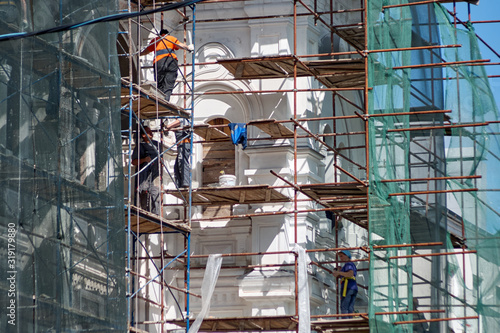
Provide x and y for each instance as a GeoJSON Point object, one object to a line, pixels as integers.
{"type": "Point", "coordinates": [61, 209]}
{"type": "Point", "coordinates": [412, 174]}
{"type": "Point", "coordinates": [377, 135]}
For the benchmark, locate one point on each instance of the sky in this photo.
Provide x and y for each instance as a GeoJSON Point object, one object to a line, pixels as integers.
{"type": "Point", "coordinates": [489, 32]}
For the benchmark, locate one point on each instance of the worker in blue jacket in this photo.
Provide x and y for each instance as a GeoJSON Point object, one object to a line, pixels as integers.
{"type": "Point", "coordinates": [348, 285]}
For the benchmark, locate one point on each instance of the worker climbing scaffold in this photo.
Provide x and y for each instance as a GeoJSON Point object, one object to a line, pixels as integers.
{"type": "Point", "coordinates": [165, 61]}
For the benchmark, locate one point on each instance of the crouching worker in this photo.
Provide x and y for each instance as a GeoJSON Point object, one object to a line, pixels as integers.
{"type": "Point", "coordinates": [145, 156]}
{"type": "Point", "coordinates": [348, 286]}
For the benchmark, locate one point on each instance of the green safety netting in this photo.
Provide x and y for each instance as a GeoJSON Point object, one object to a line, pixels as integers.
{"type": "Point", "coordinates": [410, 142]}
{"type": "Point", "coordinates": [472, 151]}
{"type": "Point", "coordinates": [61, 212]}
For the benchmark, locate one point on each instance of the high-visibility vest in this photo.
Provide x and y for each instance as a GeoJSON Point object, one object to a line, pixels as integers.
{"type": "Point", "coordinates": [163, 47]}
{"type": "Point", "coordinates": [345, 281]}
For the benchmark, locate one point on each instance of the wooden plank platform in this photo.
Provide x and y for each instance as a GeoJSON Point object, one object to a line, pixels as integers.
{"type": "Point", "coordinates": [332, 191]}
{"type": "Point", "coordinates": [151, 105]}
{"type": "Point", "coordinates": [273, 128]}
{"type": "Point", "coordinates": [209, 133]}
{"type": "Point", "coordinates": [248, 194]}
{"type": "Point", "coordinates": [276, 323]}
{"type": "Point", "coordinates": [353, 325]}
{"type": "Point", "coordinates": [274, 67]}
{"type": "Point", "coordinates": [351, 199]}
{"type": "Point", "coordinates": [269, 126]}
{"type": "Point", "coordinates": [337, 73]}
{"type": "Point", "coordinates": [144, 222]}
{"type": "Point", "coordinates": [355, 35]}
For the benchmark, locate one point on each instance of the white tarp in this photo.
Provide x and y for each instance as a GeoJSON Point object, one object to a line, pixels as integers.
{"type": "Point", "coordinates": [207, 289]}
{"type": "Point", "coordinates": [303, 287]}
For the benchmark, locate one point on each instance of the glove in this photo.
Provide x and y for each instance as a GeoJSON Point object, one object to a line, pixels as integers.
{"type": "Point", "coordinates": [191, 48]}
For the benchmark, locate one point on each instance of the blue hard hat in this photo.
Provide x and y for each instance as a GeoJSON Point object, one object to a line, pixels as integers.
{"type": "Point", "coordinates": [347, 253]}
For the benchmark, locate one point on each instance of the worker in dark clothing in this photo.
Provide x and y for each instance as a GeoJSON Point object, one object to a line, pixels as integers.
{"type": "Point", "coordinates": [165, 62]}
{"type": "Point", "coordinates": [182, 164]}
{"type": "Point", "coordinates": [145, 155]}
{"type": "Point", "coordinates": [420, 327]}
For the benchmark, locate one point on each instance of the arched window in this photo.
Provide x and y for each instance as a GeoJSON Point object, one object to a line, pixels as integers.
{"type": "Point", "coordinates": [218, 157]}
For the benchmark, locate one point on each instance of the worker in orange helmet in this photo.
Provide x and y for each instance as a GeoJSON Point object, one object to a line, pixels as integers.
{"type": "Point", "coordinates": [165, 62]}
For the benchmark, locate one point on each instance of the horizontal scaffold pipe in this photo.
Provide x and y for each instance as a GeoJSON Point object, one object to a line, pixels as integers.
{"type": "Point", "coordinates": [433, 320]}
{"type": "Point", "coordinates": [487, 21]}
{"type": "Point", "coordinates": [426, 2]}
{"type": "Point", "coordinates": [289, 138]}
{"type": "Point", "coordinates": [244, 254]}
{"type": "Point", "coordinates": [381, 247]}
{"type": "Point", "coordinates": [323, 118]}
{"type": "Point", "coordinates": [405, 113]}
{"type": "Point", "coordinates": [278, 265]}
{"type": "Point", "coordinates": [414, 48]}
{"type": "Point", "coordinates": [428, 178]}
{"type": "Point", "coordinates": [433, 254]}
{"type": "Point", "coordinates": [325, 54]}
{"type": "Point", "coordinates": [270, 187]}
{"type": "Point", "coordinates": [433, 192]}
{"type": "Point", "coordinates": [340, 315]}
{"type": "Point", "coordinates": [347, 25]}
{"type": "Point", "coordinates": [437, 64]}
{"type": "Point", "coordinates": [421, 128]}
{"type": "Point", "coordinates": [408, 312]}
{"type": "Point", "coordinates": [338, 208]}
{"type": "Point", "coordinates": [199, 256]}
{"type": "Point", "coordinates": [147, 322]}
{"type": "Point", "coordinates": [237, 92]}
{"type": "Point", "coordinates": [286, 137]}
{"type": "Point", "coordinates": [330, 249]}
{"type": "Point", "coordinates": [351, 148]}
{"type": "Point", "coordinates": [486, 64]}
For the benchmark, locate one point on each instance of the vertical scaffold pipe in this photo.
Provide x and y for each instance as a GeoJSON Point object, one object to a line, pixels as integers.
{"type": "Point", "coordinates": [295, 216]}
{"type": "Point", "coordinates": [129, 170]}
{"type": "Point", "coordinates": [193, 28]}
